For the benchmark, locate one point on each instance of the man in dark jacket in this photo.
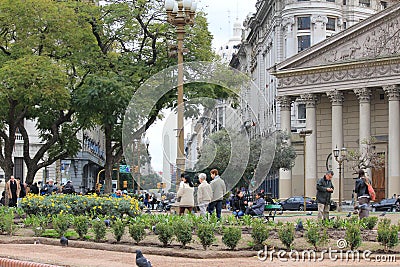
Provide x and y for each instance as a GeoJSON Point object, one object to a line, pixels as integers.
{"type": "Point", "coordinates": [324, 192]}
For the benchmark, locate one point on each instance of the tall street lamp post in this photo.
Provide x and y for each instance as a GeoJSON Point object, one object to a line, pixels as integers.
{"type": "Point", "coordinates": [180, 13]}
{"type": "Point", "coordinates": [340, 157]}
{"type": "Point", "coordinates": [303, 134]}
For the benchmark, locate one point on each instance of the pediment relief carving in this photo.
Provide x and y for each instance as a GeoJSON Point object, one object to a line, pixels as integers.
{"type": "Point", "coordinates": [380, 39]}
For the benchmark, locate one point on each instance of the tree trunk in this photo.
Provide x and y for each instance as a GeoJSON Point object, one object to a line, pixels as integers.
{"type": "Point", "coordinates": [108, 167]}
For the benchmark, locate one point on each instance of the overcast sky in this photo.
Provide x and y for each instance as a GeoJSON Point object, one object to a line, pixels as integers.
{"type": "Point", "coordinates": [221, 16]}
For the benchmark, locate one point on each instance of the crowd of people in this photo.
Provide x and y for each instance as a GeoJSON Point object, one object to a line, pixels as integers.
{"type": "Point", "coordinates": [16, 190]}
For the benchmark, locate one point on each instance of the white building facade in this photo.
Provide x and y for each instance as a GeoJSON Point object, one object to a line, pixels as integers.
{"type": "Point", "coordinates": [277, 31]}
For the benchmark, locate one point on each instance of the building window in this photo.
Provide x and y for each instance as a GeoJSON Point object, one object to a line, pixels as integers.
{"type": "Point", "coordinates": [331, 24]}
{"type": "Point", "coordinates": [344, 25]}
{"type": "Point", "coordinates": [344, 2]}
{"type": "Point", "coordinates": [333, 1]}
{"type": "Point", "coordinates": [302, 0]}
{"type": "Point", "coordinates": [365, 3]}
{"type": "Point", "coordinates": [303, 42]}
{"type": "Point", "coordinates": [303, 23]}
{"type": "Point", "coordinates": [301, 113]}
{"type": "Point", "coordinates": [383, 5]}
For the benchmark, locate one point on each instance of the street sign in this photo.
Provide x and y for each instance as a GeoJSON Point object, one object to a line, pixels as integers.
{"type": "Point", "coordinates": [124, 169]}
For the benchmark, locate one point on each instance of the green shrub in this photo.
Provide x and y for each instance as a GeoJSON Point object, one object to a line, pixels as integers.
{"type": "Point", "coordinates": [231, 236]}
{"type": "Point", "coordinates": [7, 221]}
{"type": "Point", "coordinates": [118, 228]}
{"type": "Point", "coordinates": [315, 236]}
{"type": "Point", "coordinates": [370, 222]}
{"type": "Point", "coordinates": [338, 223]}
{"type": "Point", "coordinates": [259, 233]}
{"type": "Point", "coordinates": [205, 233]}
{"type": "Point", "coordinates": [61, 223]}
{"type": "Point", "coordinates": [137, 232]}
{"type": "Point", "coordinates": [387, 234]}
{"type": "Point", "coordinates": [286, 234]}
{"type": "Point", "coordinates": [353, 235]}
{"type": "Point", "coordinates": [183, 232]}
{"type": "Point", "coordinates": [99, 229]}
{"type": "Point", "coordinates": [38, 223]}
{"type": "Point", "coordinates": [165, 232]}
{"type": "Point", "coordinates": [81, 225]}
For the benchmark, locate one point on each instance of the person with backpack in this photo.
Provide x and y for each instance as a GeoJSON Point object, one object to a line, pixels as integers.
{"type": "Point", "coordinates": [362, 194]}
{"type": "Point", "coordinates": [68, 188]}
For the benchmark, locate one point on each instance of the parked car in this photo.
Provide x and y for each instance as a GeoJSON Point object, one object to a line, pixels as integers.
{"type": "Point", "coordinates": [387, 204]}
{"type": "Point", "coordinates": [297, 203]}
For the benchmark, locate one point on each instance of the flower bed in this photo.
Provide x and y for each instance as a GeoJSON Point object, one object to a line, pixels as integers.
{"type": "Point", "coordinates": [90, 205]}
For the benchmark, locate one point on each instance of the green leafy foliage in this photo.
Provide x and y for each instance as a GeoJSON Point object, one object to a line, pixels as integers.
{"type": "Point", "coordinates": [231, 236]}
{"type": "Point", "coordinates": [259, 233]}
{"type": "Point", "coordinates": [353, 235]}
{"type": "Point", "coordinates": [205, 232]}
{"type": "Point", "coordinates": [81, 225]}
{"type": "Point", "coordinates": [165, 232]}
{"type": "Point", "coordinates": [286, 234]}
{"type": "Point", "coordinates": [387, 234]}
{"type": "Point", "coordinates": [7, 220]}
{"type": "Point", "coordinates": [315, 235]}
{"type": "Point", "coordinates": [61, 223]}
{"type": "Point", "coordinates": [183, 231]}
{"type": "Point", "coordinates": [99, 229]}
{"type": "Point", "coordinates": [118, 227]}
{"type": "Point", "coordinates": [137, 231]}
{"type": "Point", "coordinates": [370, 222]}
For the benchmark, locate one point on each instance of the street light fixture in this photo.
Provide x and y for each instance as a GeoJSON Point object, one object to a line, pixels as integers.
{"type": "Point", "coordinates": [303, 134]}
{"type": "Point", "coordinates": [340, 157]}
{"type": "Point", "coordinates": [179, 14]}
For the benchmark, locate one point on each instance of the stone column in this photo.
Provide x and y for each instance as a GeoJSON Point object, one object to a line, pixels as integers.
{"type": "Point", "coordinates": [290, 46]}
{"type": "Point", "coordinates": [393, 185]}
{"type": "Point", "coordinates": [364, 96]}
{"type": "Point", "coordinates": [336, 98]}
{"type": "Point", "coordinates": [319, 28]}
{"type": "Point", "coordinates": [285, 176]}
{"type": "Point", "coordinates": [311, 143]}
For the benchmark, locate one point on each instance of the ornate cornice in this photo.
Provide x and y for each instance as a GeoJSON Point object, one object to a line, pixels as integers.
{"type": "Point", "coordinates": [285, 102]}
{"type": "Point", "coordinates": [363, 94]}
{"type": "Point", "coordinates": [309, 99]}
{"type": "Point", "coordinates": [340, 72]}
{"type": "Point", "coordinates": [336, 97]}
{"type": "Point", "coordinates": [319, 20]}
{"type": "Point", "coordinates": [393, 92]}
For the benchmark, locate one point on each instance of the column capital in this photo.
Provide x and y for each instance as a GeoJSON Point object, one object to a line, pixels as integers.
{"type": "Point", "coordinates": [285, 102]}
{"type": "Point", "coordinates": [363, 94]}
{"type": "Point", "coordinates": [392, 91]}
{"type": "Point", "coordinates": [309, 99]}
{"type": "Point", "coordinates": [336, 97]}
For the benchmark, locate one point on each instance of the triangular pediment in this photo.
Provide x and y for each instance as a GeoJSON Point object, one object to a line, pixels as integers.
{"type": "Point", "coordinates": [376, 37]}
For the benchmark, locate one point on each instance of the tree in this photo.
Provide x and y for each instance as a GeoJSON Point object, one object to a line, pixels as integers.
{"type": "Point", "coordinates": [366, 157]}
{"type": "Point", "coordinates": [44, 53]}
{"type": "Point", "coordinates": [217, 150]}
{"type": "Point", "coordinates": [133, 44]}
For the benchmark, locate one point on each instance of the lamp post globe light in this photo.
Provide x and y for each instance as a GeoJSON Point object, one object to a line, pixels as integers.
{"type": "Point", "coordinates": [340, 157]}
{"type": "Point", "coordinates": [179, 14]}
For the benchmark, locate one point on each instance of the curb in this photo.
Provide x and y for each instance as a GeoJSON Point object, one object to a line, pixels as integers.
{"type": "Point", "coordinates": [18, 263]}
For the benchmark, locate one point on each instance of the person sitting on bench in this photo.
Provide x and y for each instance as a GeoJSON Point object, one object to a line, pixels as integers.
{"type": "Point", "coordinates": [239, 204]}
{"type": "Point", "coordinates": [256, 208]}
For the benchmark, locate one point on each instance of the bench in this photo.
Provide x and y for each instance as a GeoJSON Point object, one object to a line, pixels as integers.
{"type": "Point", "coordinates": [271, 210]}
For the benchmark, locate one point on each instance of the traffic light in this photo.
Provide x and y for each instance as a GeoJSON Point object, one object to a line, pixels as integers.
{"type": "Point", "coordinates": [136, 169]}
{"type": "Point", "coordinates": [125, 184]}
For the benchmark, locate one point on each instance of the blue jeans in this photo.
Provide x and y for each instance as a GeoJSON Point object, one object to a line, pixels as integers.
{"type": "Point", "coordinates": [238, 214]}
{"type": "Point", "coordinates": [217, 205]}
